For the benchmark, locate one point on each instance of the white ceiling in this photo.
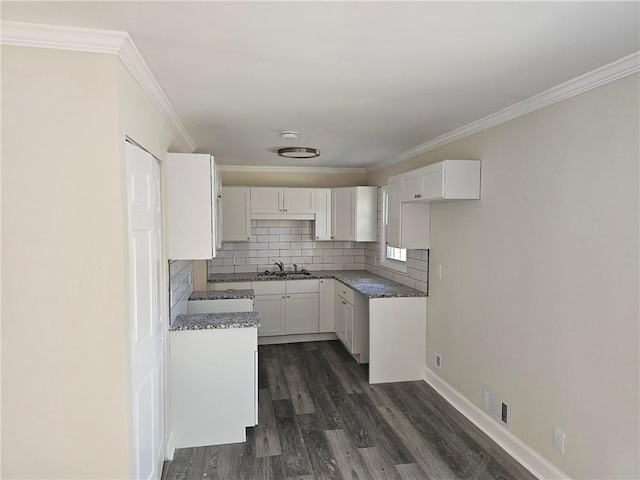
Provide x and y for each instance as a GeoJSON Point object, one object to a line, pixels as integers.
{"type": "Point", "coordinates": [362, 81]}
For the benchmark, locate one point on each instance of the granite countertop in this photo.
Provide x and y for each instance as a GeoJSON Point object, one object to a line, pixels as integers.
{"type": "Point", "coordinates": [362, 281]}
{"type": "Point", "coordinates": [222, 295]}
{"type": "Point", "coordinates": [207, 321]}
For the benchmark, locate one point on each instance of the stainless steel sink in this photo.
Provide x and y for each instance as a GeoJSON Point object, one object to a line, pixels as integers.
{"type": "Point", "coordinates": [300, 274]}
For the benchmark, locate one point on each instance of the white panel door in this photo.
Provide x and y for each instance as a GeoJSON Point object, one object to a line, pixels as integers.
{"type": "Point", "coordinates": [146, 313]}
{"type": "Point", "coordinates": [326, 307]}
{"type": "Point", "coordinates": [343, 213]}
{"type": "Point", "coordinates": [302, 313]}
{"type": "Point", "coordinates": [393, 220]}
{"type": "Point", "coordinates": [300, 200]}
{"type": "Point", "coordinates": [266, 200]}
{"type": "Point", "coordinates": [236, 214]}
{"type": "Point", "coordinates": [271, 311]}
{"type": "Point", "coordinates": [323, 214]}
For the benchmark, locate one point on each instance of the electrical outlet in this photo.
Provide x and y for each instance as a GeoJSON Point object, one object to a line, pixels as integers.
{"type": "Point", "coordinates": [558, 440]}
{"type": "Point", "coordinates": [437, 361]}
{"type": "Point", "coordinates": [235, 260]}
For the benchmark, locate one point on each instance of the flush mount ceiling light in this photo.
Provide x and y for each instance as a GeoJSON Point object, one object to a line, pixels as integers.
{"type": "Point", "coordinates": [299, 152]}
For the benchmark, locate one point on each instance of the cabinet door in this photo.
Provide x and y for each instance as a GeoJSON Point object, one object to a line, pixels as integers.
{"type": "Point", "coordinates": [343, 213]}
{"type": "Point", "coordinates": [339, 317]}
{"type": "Point", "coordinates": [266, 200]}
{"type": "Point", "coordinates": [271, 309]}
{"type": "Point", "coordinates": [323, 214]}
{"type": "Point", "coordinates": [301, 313]}
{"type": "Point", "coordinates": [411, 188]}
{"type": "Point", "coordinates": [432, 181]}
{"type": "Point", "coordinates": [218, 209]}
{"type": "Point", "coordinates": [394, 213]}
{"type": "Point", "coordinates": [348, 325]}
{"type": "Point", "coordinates": [189, 201]}
{"type": "Point", "coordinates": [300, 200]}
{"type": "Point", "coordinates": [326, 308]}
{"type": "Point", "coordinates": [236, 215]}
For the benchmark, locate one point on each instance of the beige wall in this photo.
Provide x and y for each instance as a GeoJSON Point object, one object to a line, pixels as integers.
{"type": "Point", "coordinates": [539, 291]}
{"type": "Point", "coordinates": [64, 271]}
{"type": "Point", "coordinates": [272, 179]}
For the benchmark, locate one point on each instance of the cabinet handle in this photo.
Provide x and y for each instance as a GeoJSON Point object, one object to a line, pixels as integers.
{"type": "Point", "coordinates": [344, 303]}
{"type": "Point", "coordinates": [332, 237]}
{"type": "Point", "coordinates": [283, 296]}
{"type": "Point", "coordinates": [417, 196]}
{"type": "Point", "coordinates": [285, 209]}
{"type": "Point", "coordinates": [288, 296]}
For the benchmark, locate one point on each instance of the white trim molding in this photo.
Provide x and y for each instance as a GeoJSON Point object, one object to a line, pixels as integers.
{"type": "Point", "coordinates": [523, 453]}
{"type": "Point", "coordinates": [276, 169]}
{"type": "Point", "coordinates": [21, 34]}
{"type": "Point", "coordinates": [608, 73]}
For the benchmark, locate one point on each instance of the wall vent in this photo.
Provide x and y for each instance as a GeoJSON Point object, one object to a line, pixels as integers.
{"type": "Point", "coordinates": [496, 406]}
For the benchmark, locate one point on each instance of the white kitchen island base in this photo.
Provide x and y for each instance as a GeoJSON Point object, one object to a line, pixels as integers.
{"type": "Point", "coordinates": [213, 385]}
{"type": "Point", "coordinates": [397, 339]}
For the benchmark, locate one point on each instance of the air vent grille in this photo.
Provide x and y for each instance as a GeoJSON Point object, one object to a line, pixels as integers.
{"type": "Point", "coordinates": [496, 406]}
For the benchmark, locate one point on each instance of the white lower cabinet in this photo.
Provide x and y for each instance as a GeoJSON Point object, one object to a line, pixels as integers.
{"type": "Point", "coordinates": [301, 313]}
{"type": "Point", "coordinates": [352, 322]}
{"type": "Point", "coordinates": [214, 394]}
{"type": "Point", "coordinates": [326, 307]}
{"type": "Point", "coordinates": [286, 307]}
{"type": "Point", "coordinates": [272, 314]}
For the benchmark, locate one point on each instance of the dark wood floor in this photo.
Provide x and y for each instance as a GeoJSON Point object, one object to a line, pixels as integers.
{"type": "Point", "coordinates": [320, 419]}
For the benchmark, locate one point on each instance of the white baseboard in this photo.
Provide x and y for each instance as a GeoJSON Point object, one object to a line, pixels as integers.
{"type": "Point", "coordinates": [171, 449]}
{"type": "Point", "coordinates": [523, 453]}
{"type": "Point", "coordinates": [307, 337]}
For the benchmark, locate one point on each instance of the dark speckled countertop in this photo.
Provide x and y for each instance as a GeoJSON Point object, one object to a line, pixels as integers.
{"type": "Point", "coordinates": [364, 282]}
{"type": "Point", "coordinates": [222, 295]}
{"type": "Point", "coordinates": [208, 321]}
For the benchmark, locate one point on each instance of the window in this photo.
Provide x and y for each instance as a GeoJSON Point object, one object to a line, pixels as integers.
{"type": "Point", "coordinates": [390, 257]}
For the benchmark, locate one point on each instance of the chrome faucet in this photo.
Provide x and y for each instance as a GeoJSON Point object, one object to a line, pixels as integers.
{"type": "Point", "coordinates": [295, 267]}
{"type": "Point", "coordinates": [280, 266]}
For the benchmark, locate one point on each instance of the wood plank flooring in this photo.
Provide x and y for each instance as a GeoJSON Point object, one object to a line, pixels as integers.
{"type": "Point", "coordinates": [320, 419]}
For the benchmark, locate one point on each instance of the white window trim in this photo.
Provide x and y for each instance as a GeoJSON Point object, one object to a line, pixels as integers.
{"type": "Point", "coordinates": [385, 262]}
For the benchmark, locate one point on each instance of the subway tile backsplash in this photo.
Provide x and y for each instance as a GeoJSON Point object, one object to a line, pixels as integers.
{"type": "Point", "coordinates": [180, 285]}
{"type": "Point", "coordinates": [291, 241]}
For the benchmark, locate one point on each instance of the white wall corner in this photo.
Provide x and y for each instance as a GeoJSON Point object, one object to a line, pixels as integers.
{"type": "Point", "coordinates": [600, 76]}
{"type": "Point", "coordinates": [523, 453]}
{"type": "Point", "coordinates": [22, 34]}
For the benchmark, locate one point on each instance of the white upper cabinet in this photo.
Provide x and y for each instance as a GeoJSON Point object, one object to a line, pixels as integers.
{"type": "Point", "coordinates": [354, 214]}
{"type": "Point", "coordinates": [411, 194]}
{"type": "Point", "coordinates": [446, 180]}
{"type": "Point", "coordinates": [190, 187]}
{"type": "Point", "coordinates": [323, 214]}
{"type": "Point", "coordinates": [266, 200]}
{"type": "Point", "coordinates": [300, 200]}
{"type": "Point", "coordinates": [236, 214]}
{"type": "Point", "coordinates": [394, 211]}
{"type": "Point", "coordinates": [276, 202]}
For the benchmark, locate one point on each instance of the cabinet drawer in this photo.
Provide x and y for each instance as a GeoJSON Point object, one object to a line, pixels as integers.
{"type": "Point", "coordinates": [345, 292]}
{"type": "Point", "coordinates": [303, 286]}
{"type": "Point", "coordinates": [229, 286]}
{"type": "Point", "coordinates": [269, 287]}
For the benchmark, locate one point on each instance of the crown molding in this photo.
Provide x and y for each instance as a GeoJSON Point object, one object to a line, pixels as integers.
{"type": "Point", "coordinates": [608, 73]}
{"type": "Point", "coordinates": [21, 34]}
{"type": "Point", "coordinates": [276, 169]}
